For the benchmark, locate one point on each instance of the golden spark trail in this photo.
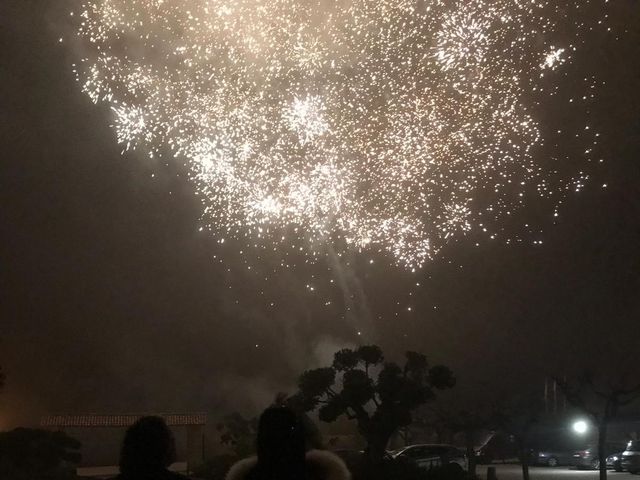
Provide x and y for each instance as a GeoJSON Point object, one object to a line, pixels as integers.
{"type": "Point", "coordinates": [394, 125]}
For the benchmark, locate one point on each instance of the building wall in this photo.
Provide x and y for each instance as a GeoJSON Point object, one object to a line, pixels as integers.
{"type": "Point", "coordinates": [101, 445]}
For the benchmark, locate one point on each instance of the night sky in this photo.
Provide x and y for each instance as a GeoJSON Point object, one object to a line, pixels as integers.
{"type": "Point", "coordinates": [112, 300]}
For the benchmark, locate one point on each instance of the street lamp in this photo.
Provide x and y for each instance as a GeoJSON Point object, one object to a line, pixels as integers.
{"type": "Point", "coordinates": [580, 427]}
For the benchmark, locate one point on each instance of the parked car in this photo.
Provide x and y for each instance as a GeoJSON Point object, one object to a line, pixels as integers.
{"type": "Point", "coordinates": [428, 456]}
{"type": "Point", "coordinates": [552, 457]}
{"type": "Point", "coordinates": [614, 461]}
{"type": "Point", "coordinates": [631, 457]}
{"type": "Point", "coordinates": [390, 468]}
{"type": "Point", "coordinates": [588, 458]}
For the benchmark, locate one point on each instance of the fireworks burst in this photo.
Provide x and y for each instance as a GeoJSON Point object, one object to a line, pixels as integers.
{"type": "Point", "coordinates": [391, 125]}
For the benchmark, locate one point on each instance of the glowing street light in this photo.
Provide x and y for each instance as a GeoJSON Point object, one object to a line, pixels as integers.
{"type": "Point", "coordinates": [580, 427]}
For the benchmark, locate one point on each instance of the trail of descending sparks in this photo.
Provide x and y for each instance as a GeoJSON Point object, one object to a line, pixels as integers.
{"type": "Point", "coordinates": [392, 125]}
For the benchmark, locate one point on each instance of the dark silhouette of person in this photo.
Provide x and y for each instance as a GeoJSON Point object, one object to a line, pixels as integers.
{"type": "Point", "coordinates": [147, 451]}
{"type": "Point", "coordinates": [282, 454]}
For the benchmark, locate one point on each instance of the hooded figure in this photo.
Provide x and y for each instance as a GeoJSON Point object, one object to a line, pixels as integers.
{"type": "Point", "coordinates": [282, 454]}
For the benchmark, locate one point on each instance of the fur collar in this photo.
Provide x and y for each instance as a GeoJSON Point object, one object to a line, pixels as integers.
{"type": "Point", "coordinates": [330, 463]}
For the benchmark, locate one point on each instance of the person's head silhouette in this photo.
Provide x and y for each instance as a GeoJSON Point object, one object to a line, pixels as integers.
{"type": "Point", "coordinates": [148, 448]}
{"type": "Point", "coordinates": [280, 445]}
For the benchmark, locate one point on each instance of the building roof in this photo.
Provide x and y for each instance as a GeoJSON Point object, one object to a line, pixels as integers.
{"type": "Point", "coordinates": [123, 420]}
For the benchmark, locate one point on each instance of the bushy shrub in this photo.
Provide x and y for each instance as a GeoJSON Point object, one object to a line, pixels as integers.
{"type": "Point", "coordinates": [27, 454]}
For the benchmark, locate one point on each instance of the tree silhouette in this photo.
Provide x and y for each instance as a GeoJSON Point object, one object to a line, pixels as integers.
{"type": "Point", "coordinates": [517, 417]}
{"type": "Point", "coordinates": [380, 404]}
{"type": "Point", "coordinates": [601, 397]}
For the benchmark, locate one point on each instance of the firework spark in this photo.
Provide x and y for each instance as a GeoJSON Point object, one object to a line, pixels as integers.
{"type": "Point", "coordinates": [392, 125]}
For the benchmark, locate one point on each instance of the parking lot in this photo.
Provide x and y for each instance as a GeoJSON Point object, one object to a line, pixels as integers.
{"type": "Point", "coordinates": [514, 472]}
